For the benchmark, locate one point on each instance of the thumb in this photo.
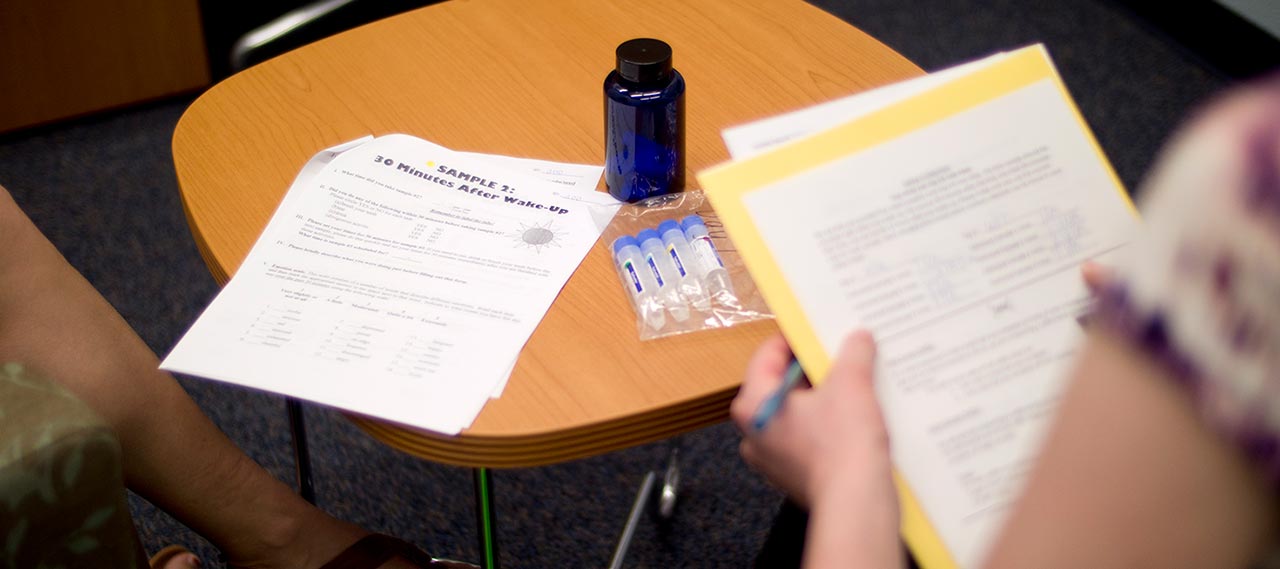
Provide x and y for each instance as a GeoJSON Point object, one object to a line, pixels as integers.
{"type": "Point", "coordinates": [855, 364]}
{"type": "Point", "coordinates": [1096, 276]}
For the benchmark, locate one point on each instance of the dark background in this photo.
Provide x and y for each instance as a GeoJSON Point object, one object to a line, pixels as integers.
{"type": "Point", "coordinates": [226, 21]}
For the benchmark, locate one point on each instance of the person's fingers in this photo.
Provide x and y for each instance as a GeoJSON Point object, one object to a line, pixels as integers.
{"type": "Point", "coordinates": [856, 360]}
{"type": "Point", "coordinates": [748, 452]}
{"type": "Point", "coordinates": [174, 557]}
{"type": "Point", "coordinates": [764, 371]}
{"type": "Point", "coordinates": [185, 560]}
{"type": "Point", "coordinates": [772, 357]}
{"type": "Point", "coordinates": [1095, 275]}
{"type": "Point", "coordinates": [763, 375]}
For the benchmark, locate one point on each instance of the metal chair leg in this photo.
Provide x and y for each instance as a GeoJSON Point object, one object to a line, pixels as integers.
{"type": "Point", "coordinates": [670, 485]}
{"type": "Point", "coordinates": [666, 501]}
{"type": "Point", "coordinates": [301, 457]}
{"type": "Point", "coordinates": [633, 520]}
{"type": "Point", "coordinates": [485, 518]}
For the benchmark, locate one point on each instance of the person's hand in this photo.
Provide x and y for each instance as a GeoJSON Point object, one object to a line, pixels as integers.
{"type": "Point", "coordinates": [1096, 276]}
{"type": "Point", "coordinates": [830, 440]}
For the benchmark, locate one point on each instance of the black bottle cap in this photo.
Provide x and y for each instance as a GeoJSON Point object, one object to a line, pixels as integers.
{"type": "Point", "coordinates": [644, 60]}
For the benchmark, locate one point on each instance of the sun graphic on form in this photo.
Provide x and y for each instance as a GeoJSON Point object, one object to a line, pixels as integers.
{"type": "Point", "coordinates": [537, 236]}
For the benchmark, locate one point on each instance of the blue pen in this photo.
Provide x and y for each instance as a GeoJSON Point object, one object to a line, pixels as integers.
{"type": "Point", "coordinates": [770, 406]}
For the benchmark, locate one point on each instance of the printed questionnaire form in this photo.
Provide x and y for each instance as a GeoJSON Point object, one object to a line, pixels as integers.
{"type": "Point", "coordinates": [399, 279]}
{"type": "Point", "coordinates": [949, 215]}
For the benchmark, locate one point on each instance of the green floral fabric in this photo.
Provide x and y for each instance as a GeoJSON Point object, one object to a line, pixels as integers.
{"type": "Point", "coordinates": [62, 497]}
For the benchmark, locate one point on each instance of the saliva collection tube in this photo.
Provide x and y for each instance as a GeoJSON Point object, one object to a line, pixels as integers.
{"type": "Point", "coordinates": [639, 280]}
{"type": "Point", "coordinates": [668, 269]}
{"type": "Point", "coordinates": [665, 272]}
{"type": "Point", "coordinates": [709, 266]}
{"type": "Point", "coordinates": [678, 249]}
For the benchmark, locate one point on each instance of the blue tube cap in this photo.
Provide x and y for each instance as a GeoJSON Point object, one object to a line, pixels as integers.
{"type": "Point", "coordinates": [691, 221]}
{"type": "Point", "coordinates": [648, 234]}
{"type": "Point", "coordinates": [624, 241]}
{"type": "Point", "coordinates": [668, 225]}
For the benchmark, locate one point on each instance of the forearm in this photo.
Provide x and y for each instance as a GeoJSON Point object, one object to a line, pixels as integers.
{"type": "Point", "coordinates": [1129, 477]}
{"type": "Point", "coordinates": [55, 323]}
{"type": "Point", "coordinates": [856, 525]}
{"type": "Point", "coordinates": [829, 450]}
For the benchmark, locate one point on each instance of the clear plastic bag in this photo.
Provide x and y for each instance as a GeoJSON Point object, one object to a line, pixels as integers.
{"type": "Point", "coordinates": [680, 275]}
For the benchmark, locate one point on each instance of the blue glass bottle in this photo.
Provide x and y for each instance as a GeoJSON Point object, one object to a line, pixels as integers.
{"type": "Point", "coordinates": [643, 122]}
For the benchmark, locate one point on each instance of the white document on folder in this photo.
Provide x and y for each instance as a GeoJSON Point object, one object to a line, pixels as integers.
{"type": "Point", "coordinates": [399, 279]}
{"type": "Point", "coordinates": [949, 215]}
{"type": "Point", "coordinates": [747, 140]}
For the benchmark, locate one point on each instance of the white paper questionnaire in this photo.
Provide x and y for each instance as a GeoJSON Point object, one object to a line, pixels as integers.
{"type": "Point", "coordinates": [399, 279]}
{"type": "Point", "coordinates": [578, 182]}
{"type": "Point", "coordinates": [957, 241]}
{"type": "Point", "coordinates": [746, 140]}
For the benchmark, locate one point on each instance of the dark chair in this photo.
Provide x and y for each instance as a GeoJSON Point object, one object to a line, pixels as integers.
{"type": "Point", "coordinates": [309, 23]}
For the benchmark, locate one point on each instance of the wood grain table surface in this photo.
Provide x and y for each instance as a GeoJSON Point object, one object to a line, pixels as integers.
{"type": "Point", "coordinates": [524, 78]}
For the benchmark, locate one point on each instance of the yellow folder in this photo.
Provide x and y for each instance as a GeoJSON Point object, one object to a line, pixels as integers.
{"type": "Point", "coordinates": [727, 185]}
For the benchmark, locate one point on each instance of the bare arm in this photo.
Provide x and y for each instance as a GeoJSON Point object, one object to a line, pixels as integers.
{"type": "Point", "coordinates": [1130, 477]}
{"type": "Point", "coordinates": [55, 323]}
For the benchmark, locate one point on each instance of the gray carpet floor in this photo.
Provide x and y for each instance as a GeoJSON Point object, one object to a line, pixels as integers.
{"type": "Point", "coordinates": [103, 189]}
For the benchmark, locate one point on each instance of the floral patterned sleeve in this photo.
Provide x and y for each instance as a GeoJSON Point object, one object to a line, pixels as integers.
{"type": "Point", "coordinates": [1200, 290]}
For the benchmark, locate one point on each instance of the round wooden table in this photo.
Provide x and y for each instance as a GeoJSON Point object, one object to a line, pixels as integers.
{"type": "Point", "coordinates": [524, 78]}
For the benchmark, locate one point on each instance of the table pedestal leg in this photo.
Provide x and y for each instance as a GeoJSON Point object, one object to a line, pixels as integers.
{"type": "Point", "coordinates": [485, 518]}
{"type": "Point", "coordinates": [301, 457]}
